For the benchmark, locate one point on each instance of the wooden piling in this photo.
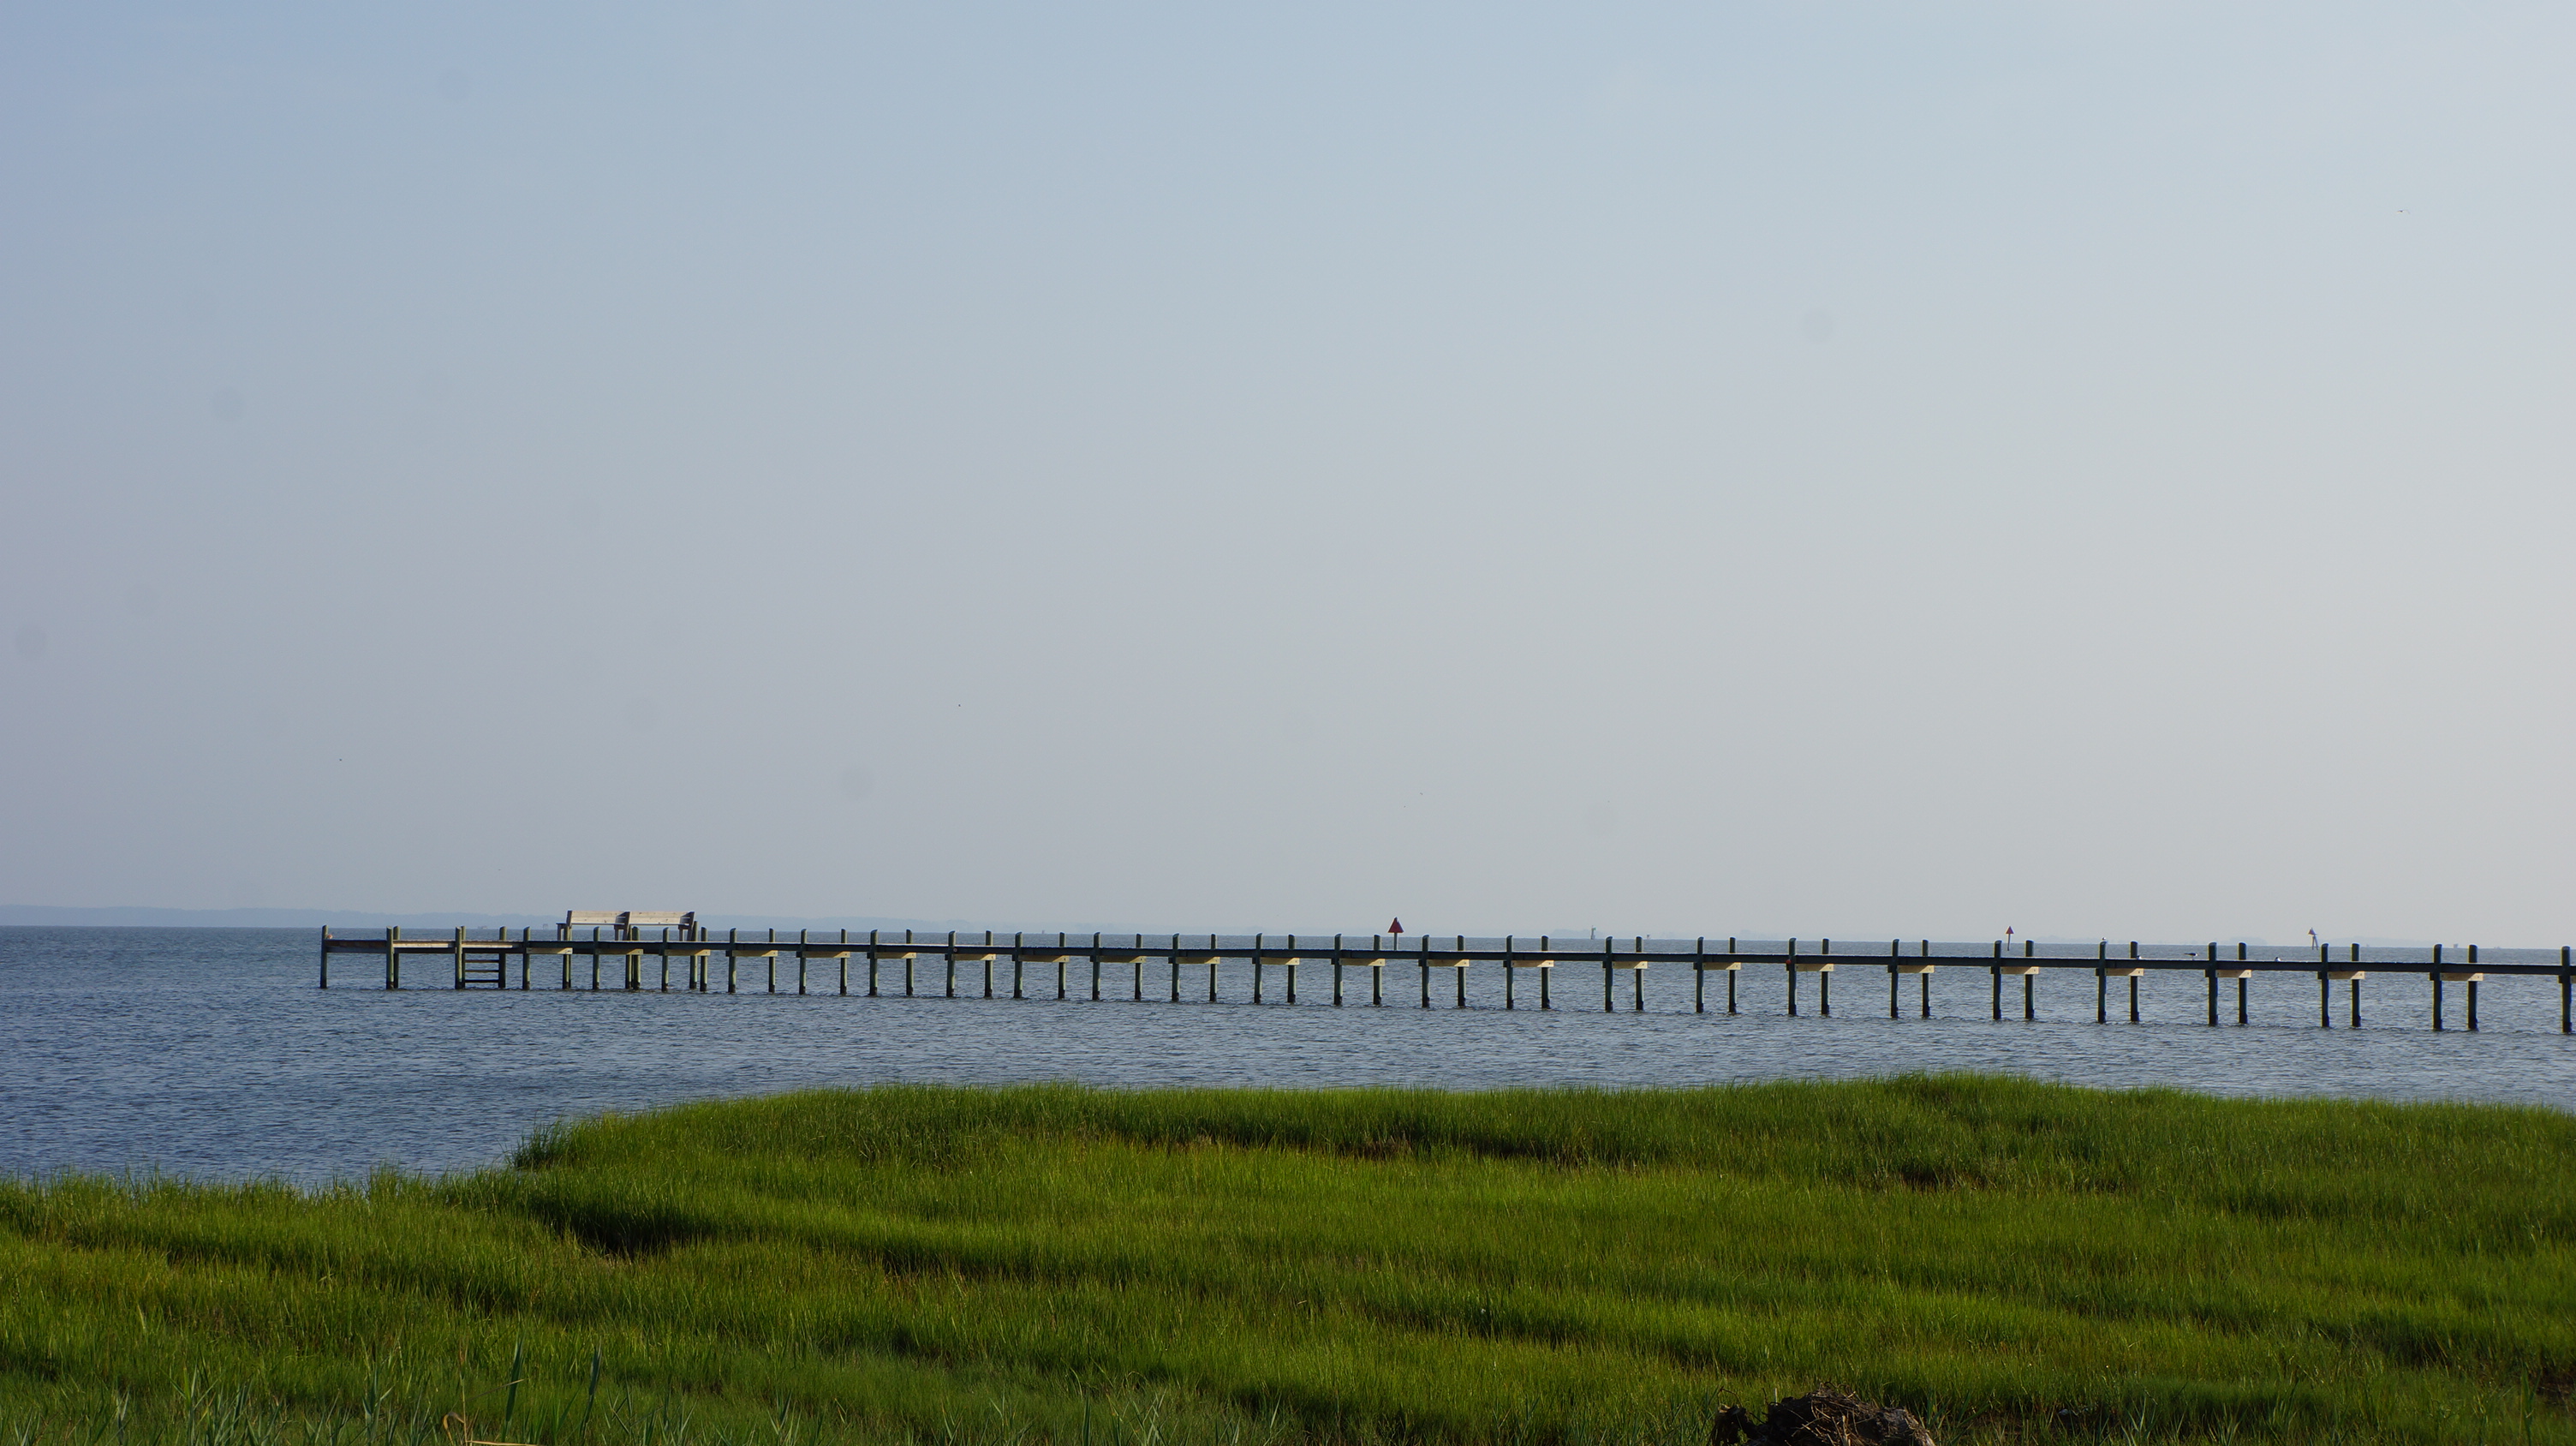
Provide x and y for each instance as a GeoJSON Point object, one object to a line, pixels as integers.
{"type": "Point", "coordinates": [2437, 989]}
{"type": "Point", "coordinates": [1733, 968]}
{"type": "Point", "coordinates": [1792, 968]}
{"type": "Point", "coordinates": [1997, 970]}
{"type": "Point", "coordinates": [1019, 967]}
{"type": "Point", "coordinates": [1461, 946]}
{"type": "Point", "coordinates": [1095, 967]}
{"type": "Point", "coordinates": [733, 970]}
{"type": "Point", "coordinates": [326, 957]}
{"type": "Point", "coordinates": [393, 957]}
{"type": "Point", "coordinates": [2566, 988]}
{"type": "Point", "coordinates": [460, 956]}
{"type": "Point", "coordinates": [1825, 984]}
{"type": "Point", "coordinates": [1256, 967]}
{"type": "Point", "coordinates": [1509, 997]}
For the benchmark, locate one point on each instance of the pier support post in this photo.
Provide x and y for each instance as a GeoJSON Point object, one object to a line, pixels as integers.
{"type": "Point", "coordinates": [326, 957]}
{"type": "Point", "coordinates": [393, 957]}
{"type": "Point", "coordinates": [1734, 967]}
{"type": "Point", "coordinates": [2212, 972]}
{"type": "Point", "coordinates": [1699, 976]}
{"type": "Point", "coordinates": [733, 965]}
{"type": "Point", "coordinates": [1893, 979]}
{"type": "Point", "coordinates": [460, 956]}
{"type": "Point", "coordinates": [2101, 995]}
{"type": "Point", "coordinates": [2029, 1000]}
{"type": "Point", "coordinates": [1510, 1000]}
{"type": "Point", "coordinates": [2566, 989]}
{"type": "Point", "coordinates": [872, 963]}
{"type": "Point", "coordinates": [1211, 969]}
{"type": "Point", "coordinates": [1095, 967]}
{"type": "Point", "coordinates": [1256, 967]}
{"type": "Point", "coordinates": [1545, 1003]}
{"type": "Point", "coordinates": [1792, 968]}
{"type": "Point", "coordinates": [1175, 957]}
{"type": "Point", "coordinates": [2437, 988]}
{"type": "Point", "coordinates": [1019, 970]}
{"type": "Point", "coordinates": [2473, 989]}
{"type": "Point", "coordinates": [1996, 969]}
{"type": "Point", "coordinates": [1424, 954]}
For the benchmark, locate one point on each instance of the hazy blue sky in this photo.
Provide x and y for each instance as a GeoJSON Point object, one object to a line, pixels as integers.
{"type": "Point", "coordinates": [1830, 468]}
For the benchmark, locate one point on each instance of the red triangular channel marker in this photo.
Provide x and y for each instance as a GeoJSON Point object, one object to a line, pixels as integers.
{"type": "Point", "coordinates": [1396, 928]}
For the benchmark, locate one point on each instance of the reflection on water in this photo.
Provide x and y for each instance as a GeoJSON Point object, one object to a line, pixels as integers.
{"type": "Point", "coordinates": [209, 1053]}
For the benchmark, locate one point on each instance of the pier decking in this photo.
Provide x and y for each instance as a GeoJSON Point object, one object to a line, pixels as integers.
{"type": "Point", "coordinates": [1081, 963]}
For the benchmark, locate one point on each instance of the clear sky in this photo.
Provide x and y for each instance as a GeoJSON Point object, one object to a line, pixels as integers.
{"type": "Point", "coordinates": [1828, 468]}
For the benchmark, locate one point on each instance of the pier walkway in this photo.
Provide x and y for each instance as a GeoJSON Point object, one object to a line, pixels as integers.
{"type": "Point", "coordinates": [1082, 966]}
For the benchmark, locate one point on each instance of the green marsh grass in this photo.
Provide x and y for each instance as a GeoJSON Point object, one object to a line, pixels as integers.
{"type": "Point", "coordinates": [2010, 1259]}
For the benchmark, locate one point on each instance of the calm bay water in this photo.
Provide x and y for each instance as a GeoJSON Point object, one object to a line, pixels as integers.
{"type": "Point", "coordinates": [209, 1053]}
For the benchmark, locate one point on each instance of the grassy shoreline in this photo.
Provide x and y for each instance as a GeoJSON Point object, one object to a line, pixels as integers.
{"type": "Point", "coordinates": [2011, 1259]}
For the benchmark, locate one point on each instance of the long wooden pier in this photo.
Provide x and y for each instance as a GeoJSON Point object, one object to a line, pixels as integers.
{"type": "Point", "coordinates": [629, 938]}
